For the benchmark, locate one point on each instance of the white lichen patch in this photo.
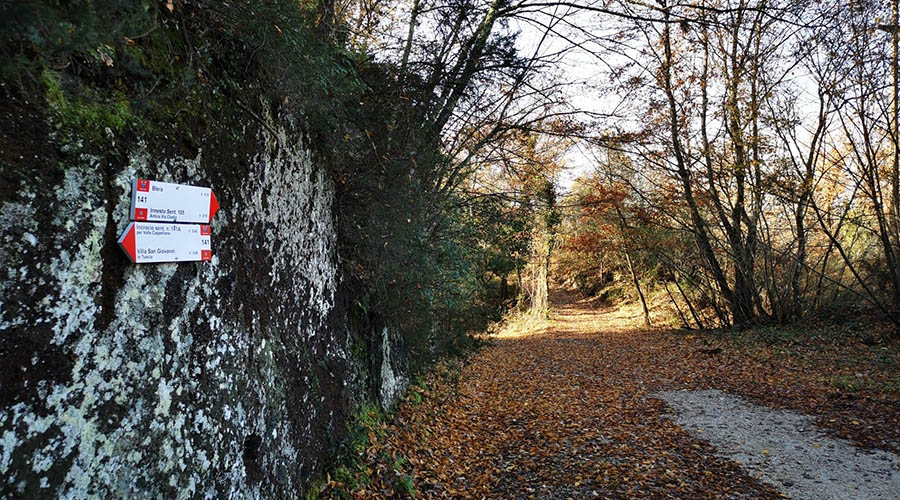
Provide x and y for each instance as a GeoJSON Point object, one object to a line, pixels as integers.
{"type": "Point", "coordinates": [7, 445]}
{"type": "Point", "coordinates": [292, 199]}
{"type": "Point", "coordinates": [392, 384]}
{"type": "Point", "coordinates": [78, 269]}
{"type": "Point", "coordinates": [15, 218]}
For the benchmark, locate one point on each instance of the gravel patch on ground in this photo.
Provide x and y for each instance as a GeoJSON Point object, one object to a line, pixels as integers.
{"type": "Point", "coordinates": [785, 449]}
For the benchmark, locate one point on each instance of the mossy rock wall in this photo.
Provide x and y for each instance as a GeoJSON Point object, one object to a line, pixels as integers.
{"type": "Point", "coordinates": [227, 379]}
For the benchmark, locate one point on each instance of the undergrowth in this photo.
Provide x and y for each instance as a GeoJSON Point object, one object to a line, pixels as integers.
{"type": "Point", "coordinates": [371, 461]}
{"type": "Point", "coordinates": [845, 358]}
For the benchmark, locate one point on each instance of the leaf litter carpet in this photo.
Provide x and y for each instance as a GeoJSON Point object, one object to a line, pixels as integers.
{"type": "Point", "coordinates": [572, 409]}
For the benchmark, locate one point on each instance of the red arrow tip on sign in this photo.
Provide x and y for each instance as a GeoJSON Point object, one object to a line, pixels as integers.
{"type": "Point", "coordinates": [127, 243]}
{"type": "Point", "coordinates": [213, 204]}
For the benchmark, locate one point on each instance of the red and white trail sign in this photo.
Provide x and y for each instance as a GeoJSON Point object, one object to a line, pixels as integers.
{"type": "Point", "coordinates": [167, 202]}
{"type": "Point", "coordinates": [152, 242]}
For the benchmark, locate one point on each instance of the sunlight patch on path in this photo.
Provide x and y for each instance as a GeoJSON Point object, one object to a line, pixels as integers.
{"type": "Point", "coordinates": [785, 449]}
{"type": "Point", "coordinates": [521, 327]}
{"type": "Point", "coordinates": [572, 314]}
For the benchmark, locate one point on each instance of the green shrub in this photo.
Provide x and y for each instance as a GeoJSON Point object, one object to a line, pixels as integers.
{"type": "Point", "coordinates": [847, 383]}
{"type": "Point", "coordinates": [404, 483]}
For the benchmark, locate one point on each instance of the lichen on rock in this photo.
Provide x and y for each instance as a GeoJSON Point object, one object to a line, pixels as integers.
{"type": "Point", "coordinates": [223, 379]}
{"type": "Point", "coordinates": [393, 382]}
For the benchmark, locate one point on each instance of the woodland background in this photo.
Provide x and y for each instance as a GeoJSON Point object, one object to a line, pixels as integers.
{"type": "Point", "coordinates": [737, 159]}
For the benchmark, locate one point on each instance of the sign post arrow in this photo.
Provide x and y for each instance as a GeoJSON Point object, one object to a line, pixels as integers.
{"type": "Point", "coordinates": [167, 202]}
{"type": "Point", "coordinates": [154, 242]}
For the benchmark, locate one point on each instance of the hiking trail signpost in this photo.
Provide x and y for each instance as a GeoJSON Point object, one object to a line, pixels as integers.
{"type": "Point", "coordinates": [167, 202]}
{"type": "Point", "coordinates": [170, 223]}
{"type": "Point", "coordinates": [149, 242]}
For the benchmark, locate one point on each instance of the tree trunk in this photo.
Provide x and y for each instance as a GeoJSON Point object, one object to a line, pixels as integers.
{"type": "Point", "coordinates": [540, 301]}
{"type": "Point", "coordinates": [465, 68]}
{"type": "Point", "coordinates": [701, 235]}
{"type": "Point", "coordinates": [689, 304]}
{"type": "Point", "coordinates": [684, 321]}
{"type": "Point", "coordinates": [413, 17]}
{"type": "Point", "coordinates": [637, 287]}
{"type": "Point", "coordinates": [895, 116]}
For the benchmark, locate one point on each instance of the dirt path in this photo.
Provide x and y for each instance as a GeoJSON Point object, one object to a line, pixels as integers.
{"type": "Point", "coordinates": [571, 410]}
{"type": "Point", "coordinates": [785, 448]}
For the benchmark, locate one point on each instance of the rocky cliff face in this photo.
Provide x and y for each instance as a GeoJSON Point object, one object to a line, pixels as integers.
{"type": "Point", "coordinates": [226, 379]}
